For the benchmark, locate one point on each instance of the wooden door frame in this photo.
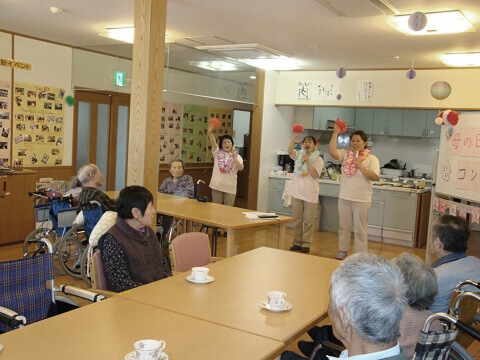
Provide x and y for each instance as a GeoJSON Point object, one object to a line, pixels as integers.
{"type": "Point", "coordinates": [117, 100]}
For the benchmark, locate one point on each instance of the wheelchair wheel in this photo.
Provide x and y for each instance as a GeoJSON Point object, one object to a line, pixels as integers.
{"type": "Point", "coordinates": [56, 260]}
{"type": "Point", "coordinates": [70, 251]}
{"type": "Point", "coordinates": [83, 267]}
{"type": "Point", "coordinates": [31, 246]}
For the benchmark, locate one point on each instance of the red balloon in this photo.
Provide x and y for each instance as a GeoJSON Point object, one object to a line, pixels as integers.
{"type": "Point", "coordinates": [297, 128]}
{"type": "Point", "coordinates": [215, 123]}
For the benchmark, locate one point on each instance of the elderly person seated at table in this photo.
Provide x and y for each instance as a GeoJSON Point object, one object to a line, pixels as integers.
{"type": "Point", "coordinates": [177, 184]}
{"type": "Point", "coordinates": [367, 302]}
{"type": "Point", "coordinates": [449, 243]}
{"type": "Point", "coordinates": [131, 253]}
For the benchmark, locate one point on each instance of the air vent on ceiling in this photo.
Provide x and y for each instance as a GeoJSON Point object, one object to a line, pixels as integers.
{"type": "Point", "coordinates": [384, 6]}
{"type": "Point", "coordinates": [331, 8]}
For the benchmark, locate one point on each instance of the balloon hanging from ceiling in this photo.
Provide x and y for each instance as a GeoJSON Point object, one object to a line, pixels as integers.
{"type": "Point", "coordinates": [417, 21]}
{"type": "Point", "coordinates": [341, 72]}
{"type": "Point", "coordinates": [411, 73]}
{"type": "Point", "coordinates": [440, 90]}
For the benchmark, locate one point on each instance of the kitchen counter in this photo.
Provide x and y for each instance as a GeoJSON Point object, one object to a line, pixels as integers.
{"type": "Point", "coordinates": [383, 187]}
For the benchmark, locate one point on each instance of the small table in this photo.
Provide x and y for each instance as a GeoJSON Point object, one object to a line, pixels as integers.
{"type": "Point", "coordinates": [241, 283]}
{"type": "Point", "coordinates": [107, 330]}
{"type": "Point", "coordinates": [222, 216]}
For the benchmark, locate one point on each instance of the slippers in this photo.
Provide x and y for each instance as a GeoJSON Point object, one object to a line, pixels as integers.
{"type": "Point", "coordinates": [341, 255]}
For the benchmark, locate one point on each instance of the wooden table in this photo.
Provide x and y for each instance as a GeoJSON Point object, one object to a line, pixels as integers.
{"type": "Point", "coordinates": [222, 216]}
{"type": "Point", "coordinates": [107, 330]}
{"type": "Point", "coordinates": [241, 283]}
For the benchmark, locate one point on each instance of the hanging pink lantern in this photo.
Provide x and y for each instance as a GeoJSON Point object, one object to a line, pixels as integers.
{"type": "Point", "coordinates": [341, 72]}
{"type": "Point", "coordinates": [417, 21]}
{"type": "Point", "coordinates": [440, 90]}
{"type": "Point", "coordinates": [411, 73]}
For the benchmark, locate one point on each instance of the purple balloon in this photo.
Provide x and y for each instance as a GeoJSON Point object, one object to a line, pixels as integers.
{"type": "Point", "coordinates": [341, 72]}
{"type": "Point", "coordinates": [339, 96]}
{"type": "Point", "coordinates": [411, 74]}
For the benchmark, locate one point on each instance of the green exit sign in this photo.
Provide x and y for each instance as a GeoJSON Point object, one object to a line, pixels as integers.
{"type": "Point", "coordinates": [119, 78]}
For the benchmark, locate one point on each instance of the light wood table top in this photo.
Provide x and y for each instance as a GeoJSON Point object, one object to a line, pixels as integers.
{"type": "Point", "coordinates": [107, 330]}
{"type": "Point", "coordinates": [241, 283]}
{"type": "Point", "coordinates": [222, 216]}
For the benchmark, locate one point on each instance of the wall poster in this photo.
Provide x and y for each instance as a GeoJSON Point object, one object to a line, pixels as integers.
{"type": "Point", "coordinates": [170, 131]}
{"type": "Point", "coordinates": [194, 133]}
{"type": "Point", "coordinates": [5, 123]}
{"type": "Point", "coordinates": [38, 125]}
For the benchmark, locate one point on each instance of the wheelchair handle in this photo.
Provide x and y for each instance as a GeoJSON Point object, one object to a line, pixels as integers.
{"type": "Point", "coordinates": [467, 329]}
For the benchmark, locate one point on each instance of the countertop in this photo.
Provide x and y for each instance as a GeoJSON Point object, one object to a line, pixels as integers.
{"type": "Point", "coordinates": [382, 187]}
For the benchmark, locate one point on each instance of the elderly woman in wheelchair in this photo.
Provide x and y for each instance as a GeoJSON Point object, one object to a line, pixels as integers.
{"type": "Point", "coordinates": [131, 253]}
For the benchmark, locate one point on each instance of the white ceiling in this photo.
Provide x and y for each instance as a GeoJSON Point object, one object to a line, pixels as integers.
{"type": "Point", "coordinates": [315, 36]}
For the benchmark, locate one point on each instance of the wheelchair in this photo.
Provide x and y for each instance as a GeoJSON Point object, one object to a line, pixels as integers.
{"type": "Point", "coordinates": [28, 292]}
{"type": "Point", "coordinates": [55, 213]}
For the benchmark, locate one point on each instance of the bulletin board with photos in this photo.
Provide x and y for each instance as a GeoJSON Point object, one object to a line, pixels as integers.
{"type": "Point", "coordinates": [38, 125]}
{"type": "Point", "coordinates": [5, 123]}
{"type": "Point", "coordinates": [184, 131]}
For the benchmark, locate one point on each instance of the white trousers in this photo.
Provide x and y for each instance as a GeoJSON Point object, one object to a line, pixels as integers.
{"type": "Point", "coordinates": [356, 213]}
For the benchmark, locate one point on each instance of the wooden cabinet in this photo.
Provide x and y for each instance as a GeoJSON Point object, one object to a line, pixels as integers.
{"type": "Point", "coordinates": [16, 207]}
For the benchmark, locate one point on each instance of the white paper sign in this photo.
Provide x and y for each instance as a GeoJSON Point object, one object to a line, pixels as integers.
{"type": "Point", "coordinates": [364, 90]}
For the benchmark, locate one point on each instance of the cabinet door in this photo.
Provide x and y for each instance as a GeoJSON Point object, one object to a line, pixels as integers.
{"type": "Point", "coordinates": [364, 120]}
{"type": "Point", "coordinates": [319, 118]}
{"type": "Point", "coordinates": [395, 121]}
{"type": "Point", "coordinates": [414, 123]}
{"type": "Point", "coordinates": [400, 210]}
{"type": "Point", "coordinates": [380, 121]}
{"type": "Point", "coordinates": [433, 130]}
{"type": "Point", "coordinates": [304, 116]}
{"type": "Point", "coordinates": [348, 115]}
{"type": "Point", "coordinates": [275, 202]}
{"type": "Point", "coordinates": [375, 217]}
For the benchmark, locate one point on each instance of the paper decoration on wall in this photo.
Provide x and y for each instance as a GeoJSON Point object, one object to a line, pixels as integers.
{"type": "Point", "coordinates": [417, 21]}
{"type": "Point", "coordinates": [452, 209]}
{"type": "Point", "coordinates": [441, 205]}
{"type": "Point", "coordinates": [5, 123]}
{"type": "Point", "coordinates": [304, 90]}
{"type": "Point", "coordinates": [364, 90]}
{"type": "Point", "coordinates": [70, 100]}
{"type": "Point", "coordinates": [39, 121]}
{"type": "Point", "coordinates": [440, 90]}
{"type": "Point", "coordinates": [462, 212]}
{"type": "Point", "coordinates": [170, 131]}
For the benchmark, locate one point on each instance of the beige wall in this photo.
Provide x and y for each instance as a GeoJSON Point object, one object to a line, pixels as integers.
{"type": "Point", "coordinates": [391, 88]}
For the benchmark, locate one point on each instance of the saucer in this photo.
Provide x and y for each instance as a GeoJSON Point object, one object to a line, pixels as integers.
{"type": "Point", "coordinates": [133, 356]}
{"type": "Point", "coordinates": [209, 279]}
{"type": "Point", "coordinates": [285, 307]}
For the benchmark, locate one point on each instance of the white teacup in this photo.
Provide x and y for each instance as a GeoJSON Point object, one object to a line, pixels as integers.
{"type": "Point", "coordinates": [200, 273]}
{"type": "Point", "coordinates": [276, 298]}
{"type": "Point", "coordinates": [149, 349]}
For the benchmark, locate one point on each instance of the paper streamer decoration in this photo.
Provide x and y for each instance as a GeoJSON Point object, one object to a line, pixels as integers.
{"type": "Point", "coordinates": [476, 216]}
{"type": "Point", "coordinates": [462, 212]}
{"type": "Point", "coordinates": [435, 204]}
{"type": "Point", "coordinates": [452, 209]}
{"type": "Point", "coordinates": [417, 21]}
{"type": "Point", "coordinates": [442, 208]}
{"type": "Point", "coordinates": [440, 90]}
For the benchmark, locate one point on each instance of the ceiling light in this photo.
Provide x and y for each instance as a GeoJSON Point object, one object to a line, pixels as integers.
{"type": "Point", "coordinates": [56, 10]}
{"type": "Point", "coordinates": [126, 34]}
{"type": "Point", "coordinates": [272, 64]}
{"type": "Point", "coordinates": [215, 65]}
{"type": "Point", "coordinates": [461, 59]}
{"type": "Point", "coordinates": [253, 77]}
{"type": "Point", "coordinates": [438, 23]}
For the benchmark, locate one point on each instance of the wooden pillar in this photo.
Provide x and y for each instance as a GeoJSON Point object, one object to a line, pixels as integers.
{"type": "Point", "coordinates": [256, 141]}
{"type": "Point", "coordinates": [146, 94]}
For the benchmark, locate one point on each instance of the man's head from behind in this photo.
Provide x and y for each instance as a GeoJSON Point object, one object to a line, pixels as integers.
{"type": "Point", "coordinates": [367, 300]}
{"type": "Point", "coordinates": [90, 175]}
{"type": "Point", "coordinates": [449, 235]}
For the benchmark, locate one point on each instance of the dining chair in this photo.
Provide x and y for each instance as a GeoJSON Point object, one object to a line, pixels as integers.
{"type": "Point", "coordinates": [97, 275]}
{"type": "Point", "coordinates": [189, 250]}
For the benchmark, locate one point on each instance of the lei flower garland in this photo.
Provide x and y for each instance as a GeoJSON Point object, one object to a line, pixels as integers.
{"type": "Point", "coordinates": [225, 161]}
{"type": "Point", "coordinates": [349, 167]}
{"type": "Point", "coordinates": [301, 167]}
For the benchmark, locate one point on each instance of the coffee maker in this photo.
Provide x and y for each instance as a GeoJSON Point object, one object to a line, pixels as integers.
{"type": "Point", "coordinates": [286, 162]}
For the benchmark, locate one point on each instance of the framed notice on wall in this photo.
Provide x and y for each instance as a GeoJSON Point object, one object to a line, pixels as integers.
{"type": "Point", "coordinates": [5, 122]}
{"type": "Point", "coordinates": [38, 125]}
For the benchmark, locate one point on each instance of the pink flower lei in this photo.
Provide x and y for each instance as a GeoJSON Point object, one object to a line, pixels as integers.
{"type": "Point", "coordinates": [225, 161]}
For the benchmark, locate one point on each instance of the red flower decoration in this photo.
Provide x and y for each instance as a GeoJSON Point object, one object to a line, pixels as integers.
{"type": "Point", "coordinates": [297, 128]}
{"type": "Point", "coordinates": [215, 123]}
{"type": "Point", "coordinates": [342, 125]}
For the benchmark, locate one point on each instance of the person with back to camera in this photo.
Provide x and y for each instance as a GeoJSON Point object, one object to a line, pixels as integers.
{"type": "Point", "coordinates": [450, 236]}
{"type": "Point", "coordinates": [76, 187]}
{"type": "Point", "coordinates": [131, 253]}
{"type": "Point", "coordinates": [227, 163]}
{"type": "Point", "coordinates": [359, 170]}
{"type": "Point", "coordinates": [91, 179]}
{"type": "Point", "coordinates": [178, 184]}
{"type": "Point", "coordinates": [421, 283]}
{"type": "Point", "coordinates": [304, 190]}
{"type": "Point", "coordinates": [367, 303]}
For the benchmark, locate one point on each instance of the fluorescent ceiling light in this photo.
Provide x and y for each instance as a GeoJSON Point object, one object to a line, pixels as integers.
{"type": "Point", "coordinates": [126, 34]}
{"type": "Point", "coordinates": [458, 59]}
{"type": "Point", "coordinates": [438, 23]}
{"type": "Point", "coordinates": [215, 65]}
{"type": "Point", "coordinates": [272, 64]}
